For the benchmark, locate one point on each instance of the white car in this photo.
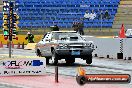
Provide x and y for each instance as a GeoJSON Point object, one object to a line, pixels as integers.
{"type": "Point", "coordinates": [68, 45]}
{"type": "Point", "coordinates": [129, 33]}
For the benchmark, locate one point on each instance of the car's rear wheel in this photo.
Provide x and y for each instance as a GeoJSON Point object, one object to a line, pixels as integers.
{"type": "Point", "coordinates": [54, 57]}
{"type": "Point", "coordinates": [47, 60]}
{"type": "Point", "coordinates": [39, 53]}
{"type": "Point", "coordinates": [70, 60]}
{"type": "Point", "coordinates": [89, 59]}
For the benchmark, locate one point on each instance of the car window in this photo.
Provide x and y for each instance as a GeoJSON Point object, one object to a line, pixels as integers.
{"type": "Point", "coordinates": [59, 36]}
{"type": "Point", "coordinates": [129, 32]}
{"type": "Point", "coordinates": [44, 35]}
{"type": "Point", "coordinates": [47, 36]}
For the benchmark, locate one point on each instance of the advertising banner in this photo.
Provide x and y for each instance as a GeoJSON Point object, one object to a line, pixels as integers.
{"type": "Point", "coordinates": [23, 66]}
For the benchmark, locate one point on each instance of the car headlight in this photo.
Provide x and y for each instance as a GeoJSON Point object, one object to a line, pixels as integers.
{"type": "Point", "coordinates": [86, 45]}
{"type": "Point", "coordinates": [89, 44]}
{"type": "Point", "coordinates": [63, 45]}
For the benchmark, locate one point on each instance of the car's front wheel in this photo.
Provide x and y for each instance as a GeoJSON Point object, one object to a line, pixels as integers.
{"type": "Point", "coordinates": [88, 59]}
{"type": "Point", "coordinates": [54, 57]}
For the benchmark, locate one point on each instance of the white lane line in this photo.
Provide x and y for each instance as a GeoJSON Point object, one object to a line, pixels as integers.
{"type": "Point", "coordinates": [112, 69]}
{"type": "Point", "coordinates": [13, 85]}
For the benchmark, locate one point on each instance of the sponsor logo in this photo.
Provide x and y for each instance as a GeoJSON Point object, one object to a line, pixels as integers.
{"type": "Point", "coordinates": [19, 64]}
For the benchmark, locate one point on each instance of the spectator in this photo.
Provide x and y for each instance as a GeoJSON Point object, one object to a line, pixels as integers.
{"type": "Point", "coordinates": [107, 15]}
{"type": "Point", "coordinates": [55, 28]}
{"type": "Point", "coordinates": [81, 26]}
{"type": "Point", "coordinates": [30, 37]}
{"type": "Point", "coordinates": [101, 15]}
{"type": "Point", "coordinates": [75, 26]}
{"type": "Point", "coordinates": [87, 15]}
{"type": "Point", "coordinates": [92, 15]}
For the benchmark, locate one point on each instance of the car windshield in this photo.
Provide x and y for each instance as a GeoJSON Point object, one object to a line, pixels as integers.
{"type": "Point", "coordinates": [66, 36]}
{"type": "Point", "coordinates": [129, 32]}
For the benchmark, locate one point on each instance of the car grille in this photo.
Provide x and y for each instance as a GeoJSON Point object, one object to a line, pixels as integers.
{"type": "Point", "coordinates": [76, 45]}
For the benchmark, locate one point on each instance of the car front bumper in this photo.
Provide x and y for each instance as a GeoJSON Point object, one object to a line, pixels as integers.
{"type": "Point", "coordinates": [69, 52]}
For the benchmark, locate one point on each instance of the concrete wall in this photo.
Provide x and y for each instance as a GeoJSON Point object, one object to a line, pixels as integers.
{"type": "Point", "coordinates": [1, 8]}
{"type": "Point", "coordinates": [1, 2]}
{"type": "Point", "coordinates": [1, 5]}
{"type": "Point", "coordinates": [123, 15]}
{"type": "Point", "coordinates": [116, 48]}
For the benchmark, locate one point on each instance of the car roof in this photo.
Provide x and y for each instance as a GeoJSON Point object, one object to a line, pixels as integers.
{"type": "Point", "coordinates": [129, 29]}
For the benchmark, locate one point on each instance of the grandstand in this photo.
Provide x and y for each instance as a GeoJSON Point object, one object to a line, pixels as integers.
{"type": "Point", "coordinates": [1, 6]}
{"type": "Point", "coordinates": [45, 13]}
{"type": "Point", "coordinates": [124, 15]}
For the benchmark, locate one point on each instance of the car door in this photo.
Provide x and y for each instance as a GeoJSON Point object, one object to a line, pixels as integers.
{"type": "Point", "coordinates": [46, 46]}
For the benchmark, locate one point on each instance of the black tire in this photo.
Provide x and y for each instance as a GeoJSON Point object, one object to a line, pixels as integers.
{"type": "Point", "coordinates": [54, 57]}
{"type": "Point", "coordinates": [70, 60]}
{"type": "Point", "coordinates": [39, 53]}
{"type": "Point", "coordinates": [47, 60]}
{"type": "Point", "coordinates": [81, 80]}
{"type": "Point", "coordinates": [89, 59]}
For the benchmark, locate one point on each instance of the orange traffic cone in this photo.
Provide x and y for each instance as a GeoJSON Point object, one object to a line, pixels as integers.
{"type": "Point", "coordinates": [18, 46]}
{"type": "Point", "coordinates": [12, 45]}
{"type": "Point", "coordinates": [122, 32]}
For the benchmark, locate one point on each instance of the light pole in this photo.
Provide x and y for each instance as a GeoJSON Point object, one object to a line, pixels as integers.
{"type": "Point", "coordinates": [10, 24]}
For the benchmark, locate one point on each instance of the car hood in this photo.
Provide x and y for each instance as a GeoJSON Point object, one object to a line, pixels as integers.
{"type": "Point", "coordinates": [68, 41]}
